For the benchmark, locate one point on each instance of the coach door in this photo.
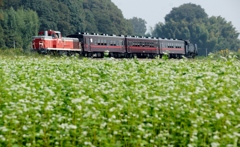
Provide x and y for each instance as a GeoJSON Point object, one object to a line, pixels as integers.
{"type": "Point", "coordinates": [160, 47]}
{"type": "Point", "coordinates": [87, 44]}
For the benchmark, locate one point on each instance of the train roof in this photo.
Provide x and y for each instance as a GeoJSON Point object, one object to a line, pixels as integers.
{"type": "Point", "coordinates": [96, 35]}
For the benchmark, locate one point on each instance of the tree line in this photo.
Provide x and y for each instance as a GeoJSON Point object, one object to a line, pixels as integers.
{"type": "Point", "coordinates": [20, 20]}
{"type": "Point", "coordinates": [17, 28]}
{"type": "Point", "coordinates": [190, 22]}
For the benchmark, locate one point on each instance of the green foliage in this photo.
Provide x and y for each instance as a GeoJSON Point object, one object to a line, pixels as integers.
{"type": "Point", "coordinates": [190, 22]}
{"type": "Point", "coordinates": [71, 102]}
{"type": "Point", "coordinates": [71, 16]}
{"type": "Point", "coordinates": [102, 16]}
{"type": "Point", "coordinates": [139, 26]}
{"type": "Point", "coordinates": [17, 28]}
{"type": "Point", "coordinates": [188, 12]}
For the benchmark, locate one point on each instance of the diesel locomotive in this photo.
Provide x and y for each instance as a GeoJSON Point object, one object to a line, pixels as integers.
{"type": "Point", "coordinates": [118, 46]}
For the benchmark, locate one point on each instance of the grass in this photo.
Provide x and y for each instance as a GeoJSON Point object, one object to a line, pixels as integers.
{"type": "Point", "coordinates": [64, 101]}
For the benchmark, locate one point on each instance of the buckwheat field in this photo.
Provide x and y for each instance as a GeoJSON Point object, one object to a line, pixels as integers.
{"type": "Point", "coordinates": [66, 102]}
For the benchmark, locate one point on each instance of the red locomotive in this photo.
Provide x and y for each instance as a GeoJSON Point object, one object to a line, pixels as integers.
{"type": "Point", "coordinates": [94, 45]}
{"type": "Point", "coordinates": [52, 42]}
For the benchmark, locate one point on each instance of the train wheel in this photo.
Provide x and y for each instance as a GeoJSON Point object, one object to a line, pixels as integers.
{"type": "Point", "coordinates": [89, 54]}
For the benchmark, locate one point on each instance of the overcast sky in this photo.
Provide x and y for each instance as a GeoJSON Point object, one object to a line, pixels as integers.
{"type": "Point", "coordinates": [154, 11]}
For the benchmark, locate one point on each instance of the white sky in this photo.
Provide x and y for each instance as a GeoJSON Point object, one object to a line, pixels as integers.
{"type": "Point", "coordinates": [154, 11]}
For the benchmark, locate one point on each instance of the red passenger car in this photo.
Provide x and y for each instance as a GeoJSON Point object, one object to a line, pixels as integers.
{"type": "Point", "coordinates": [96, 45]}
{"type": "Point", "coordinates": [142, 47]}
{"type": "Point", "coordinates": [174, 48]}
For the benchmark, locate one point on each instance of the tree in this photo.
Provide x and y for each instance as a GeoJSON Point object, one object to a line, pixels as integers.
{"type": "Point", "coordinates": [222, 34]}
{"type": "Point", "coordinates": [139, 26]}
{"type": "Point", "coordinates": [18, 28]}
{"type": "Point", "coordinates": [188, 12]}
{"type": "Point", "coordinates": [1, 6]}
{"type": "Point", "coordinates": [71, 16]}
{"type": "Point", "coordinates": [190, 22]}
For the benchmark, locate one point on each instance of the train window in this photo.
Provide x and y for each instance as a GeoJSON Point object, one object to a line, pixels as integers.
{"type": "Point", "coordinates": [104, 42]}
{"type": "Point", "coordinates": [120, 42]}
{"type": "Point", "coordinates": [99, 42]}
{"type": "Point", "coordinates": [133, 44]}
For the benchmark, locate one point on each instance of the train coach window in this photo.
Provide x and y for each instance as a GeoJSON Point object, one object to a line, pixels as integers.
{"type": "Point", "coordinates": [99, 42]}
{"type": "Point", "coordinates": [120, 42]}
{"type": "Point", "coordinates": [104, 42]}
{"type": "Point", "coordinates": [146, 44]}
{"type": "Point", "coordinates": [152, 44]}
{"type": "Point", "coordinates": [134, 44]}
{"type": "Point", "coordinates": [138, 44]}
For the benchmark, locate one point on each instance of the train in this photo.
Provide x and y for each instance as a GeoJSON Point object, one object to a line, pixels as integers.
{"type": "Point", "coordinates": [117, 46]}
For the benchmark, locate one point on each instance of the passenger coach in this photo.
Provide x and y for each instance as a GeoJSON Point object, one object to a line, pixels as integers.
{"type": "Point", "coordinates": [94, 44]}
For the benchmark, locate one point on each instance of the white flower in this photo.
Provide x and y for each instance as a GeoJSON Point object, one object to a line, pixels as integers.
{"type": "Point", "coordinates": [236, 134]}
{"type": "Point", "coordinates": [103, 125]}
{"type": "Point", "coordinates": [215, 144]}
{"type": "Point", "coordinates": [219, 115]}
{"type": "Point", "coordinates": [24, 128]}
{"type": "Point", "coordinates": [4, 129]}
{"type": "Point", "coordinates": [84, 133]}
{"type": "Point", "coordinates": [77, 100]}
{"type": "Point", "coordinates": [111, 109]}
{"type": "Point", "coordinates": [2, 138]}
{"type": "Point", "coordinates": [72, 127]}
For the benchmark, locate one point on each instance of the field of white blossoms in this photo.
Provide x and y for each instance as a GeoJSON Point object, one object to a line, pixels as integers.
{"type": "Point", "coordinates": [67, 102]}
